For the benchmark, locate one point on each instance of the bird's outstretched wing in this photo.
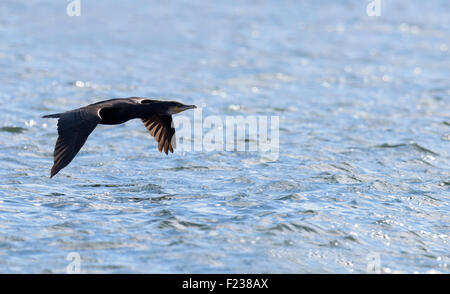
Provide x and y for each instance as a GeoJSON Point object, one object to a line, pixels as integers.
{"type": "Point", "coordinates": [161, 128]}
{"type": "Point", "coordinates": [74, 128]}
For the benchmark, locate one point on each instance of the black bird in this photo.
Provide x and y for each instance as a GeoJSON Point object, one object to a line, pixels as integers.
{"type": "Point", "coordinates": [74, 126]}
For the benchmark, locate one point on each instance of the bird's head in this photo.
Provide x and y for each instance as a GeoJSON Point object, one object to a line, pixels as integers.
{"type": "Point", "coordinates": [172, 107]}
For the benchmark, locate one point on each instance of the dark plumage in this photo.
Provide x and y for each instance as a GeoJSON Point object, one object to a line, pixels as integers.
{"type": "Point", "coordinates": [74, 126]}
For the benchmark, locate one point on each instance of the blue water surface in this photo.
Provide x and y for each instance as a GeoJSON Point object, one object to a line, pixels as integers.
{"type": "Point", "coordinates": [362, 181]}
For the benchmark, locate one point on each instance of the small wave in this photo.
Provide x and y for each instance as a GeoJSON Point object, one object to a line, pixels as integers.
{"type": "Point", "coordinates": [293, 227]}
{"type": "Point", "coordinates": [413, 146]}
{"type": "Point", "coordinates": [14, 130]}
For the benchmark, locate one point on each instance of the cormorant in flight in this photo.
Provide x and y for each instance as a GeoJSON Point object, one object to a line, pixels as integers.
{"type": "Point", "coordinates": [74, 126]}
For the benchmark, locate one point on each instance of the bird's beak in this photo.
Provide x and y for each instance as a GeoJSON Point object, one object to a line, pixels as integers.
{"type": "Point", "coordinates": [185, 107]}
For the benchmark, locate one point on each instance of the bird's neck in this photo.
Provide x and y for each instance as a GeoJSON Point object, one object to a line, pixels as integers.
{"type": "Point", "coordinates": [147, 110]}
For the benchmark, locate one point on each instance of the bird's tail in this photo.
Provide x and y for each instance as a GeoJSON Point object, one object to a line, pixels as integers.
{"type": "Point", "coordinates": [55, 115]}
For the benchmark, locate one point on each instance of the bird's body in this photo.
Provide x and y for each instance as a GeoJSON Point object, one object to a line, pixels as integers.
{"type": "Point", "coordinates": [75, 126]}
